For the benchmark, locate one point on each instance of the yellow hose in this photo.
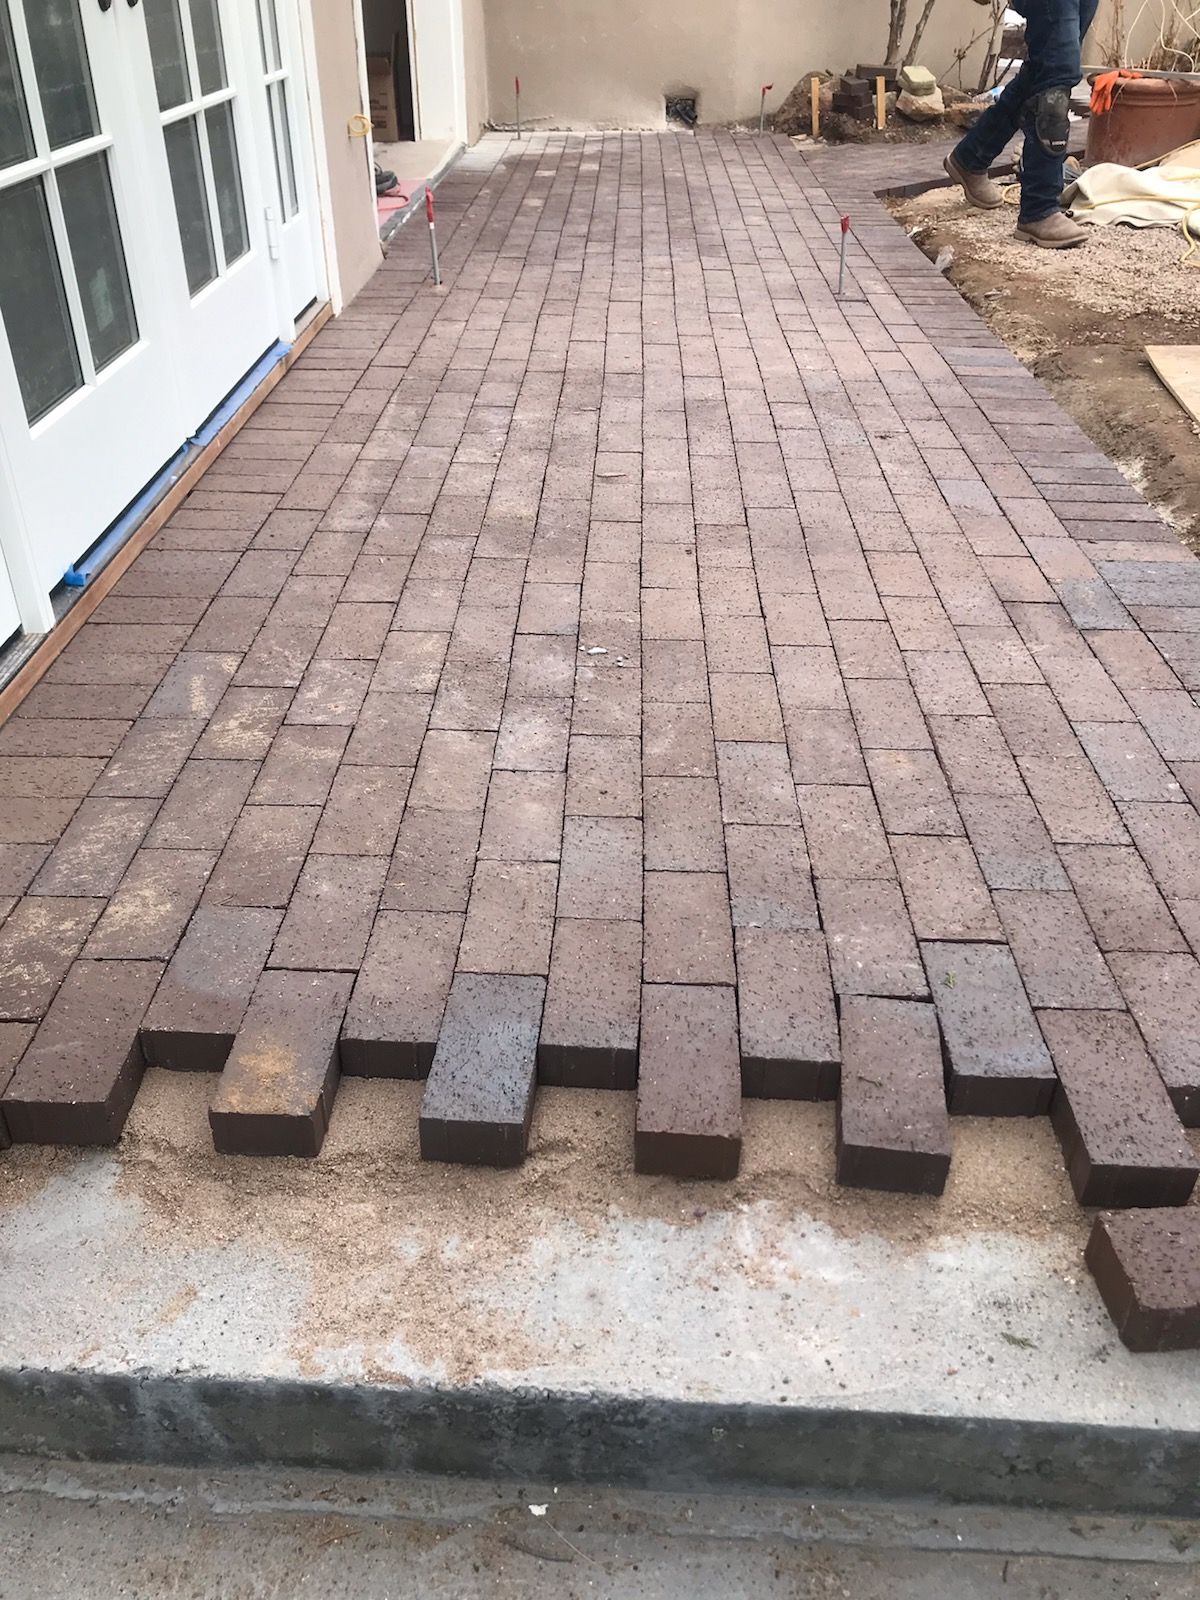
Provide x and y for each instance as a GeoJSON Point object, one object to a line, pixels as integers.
{"type": "Point", "coordinates": [1185, 221]}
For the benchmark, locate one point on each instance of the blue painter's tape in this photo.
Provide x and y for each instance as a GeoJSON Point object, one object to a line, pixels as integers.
{"type": "Point", "coordinates": [101, 553]}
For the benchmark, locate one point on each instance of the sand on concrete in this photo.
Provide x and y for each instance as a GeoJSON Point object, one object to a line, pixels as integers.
{"type": "Point", "coordinates": [572, 1272]}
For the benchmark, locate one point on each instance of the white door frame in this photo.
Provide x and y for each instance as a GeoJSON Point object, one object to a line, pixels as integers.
{"type": "Point", "coordinates": [329, 279]}
{"type": "Point", "coordinates": [439, 69]}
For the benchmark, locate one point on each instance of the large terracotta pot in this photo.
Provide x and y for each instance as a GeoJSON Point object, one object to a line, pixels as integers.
{"type": "Point", "coordinates": [1149, 116]}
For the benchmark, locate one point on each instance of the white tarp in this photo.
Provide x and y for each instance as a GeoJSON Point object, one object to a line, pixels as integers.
{"type": "Point", "coordinates": [1162, 196]}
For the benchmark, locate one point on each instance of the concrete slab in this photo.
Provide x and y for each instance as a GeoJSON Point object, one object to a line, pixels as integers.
{"type": "Point", "coordinates": [571, 1320]}
{"type": "Point", "coordinates": [92, 1532]}
{"type": "Point", "coordinates": [416, 163]}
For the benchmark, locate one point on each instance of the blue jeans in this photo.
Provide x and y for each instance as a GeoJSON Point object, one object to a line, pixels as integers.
{"type": "Point", "coordinates": [1054, 33]}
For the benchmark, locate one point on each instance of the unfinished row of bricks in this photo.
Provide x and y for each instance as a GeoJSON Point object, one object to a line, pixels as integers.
{"type": "Point", "coordinates": [281, 1037]}
{"type": "Point", "coordinates": [632, 665]}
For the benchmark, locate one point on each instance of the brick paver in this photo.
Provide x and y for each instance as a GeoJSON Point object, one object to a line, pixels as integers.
{"type": "Point", "coordinates": [631, 666]}
{"type": "Point", "coordinates": [1147, 1267]}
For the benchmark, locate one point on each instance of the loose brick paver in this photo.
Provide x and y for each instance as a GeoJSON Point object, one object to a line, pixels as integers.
{"type": "Point", "coordinates": [631, 651]}
{"type": "Point", "coordinates": [945, 890]}
{"type": "Point", "coordinates": [78, 1078]}
{"type": "Point", "coordinates": [688, 932]}
{"type": "Point", "coordinates": [262, 860]}
{"type": "Point", "coordinates": [589, 1035]}
{"type": "Point", "coordinates": [787, 1015]}
{"type": "Point", "coordinates": [478, 1102]}
{"type": "Point", "coordinates": [893, 1129]}
{"type": "Point", "coordinates": [1122, 1139]}
{"type": "Point", "coordinates": [1147, 1267]}
{"type": "Point", "coordinates": [395, 1013]}
{"type": "Point", "coordinates": [689, 1121]}
{"type": "Point", "coordinates": [276, 1092]}
{"type": "Point", "coordinates": [998, 1062]}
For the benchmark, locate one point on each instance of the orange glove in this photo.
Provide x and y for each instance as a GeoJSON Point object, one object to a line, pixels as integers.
{"type": "Point", "coordinates": [1104, 90]}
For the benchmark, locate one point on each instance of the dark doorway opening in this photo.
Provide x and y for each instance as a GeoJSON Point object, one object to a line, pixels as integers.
{"type": "Point", "coordinates": [385, 31]}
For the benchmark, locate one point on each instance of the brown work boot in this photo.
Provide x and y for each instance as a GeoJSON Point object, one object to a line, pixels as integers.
{"type": "Point", "coordinates": [977, 186]}
{"type": "Point", "coordinates": [1055, 232]}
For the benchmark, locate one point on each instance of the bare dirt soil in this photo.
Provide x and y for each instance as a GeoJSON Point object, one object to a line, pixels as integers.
{"type": "Point", "coordinates": [1081, 319]}
{"type": "Point", "coordinates": [838, 128]}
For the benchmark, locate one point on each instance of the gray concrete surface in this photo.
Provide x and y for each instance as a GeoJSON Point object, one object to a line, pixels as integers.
{"type": "Point", "coordinates": [372, 1312]}
{"type": "Point", "coordinates": [93, 1533]}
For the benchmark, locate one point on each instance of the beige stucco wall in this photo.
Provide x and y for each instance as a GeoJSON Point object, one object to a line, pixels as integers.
{"type": "Point", "coordinates": [475, 50]}
{"type": "Point", "coordinates": [350, 200]}
{"type": "Point", "coordinates": [607, 63]}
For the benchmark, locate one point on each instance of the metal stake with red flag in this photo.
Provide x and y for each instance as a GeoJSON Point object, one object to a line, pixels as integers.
{"type": "Point", "coordinates": [762, 105]}
{"type": "Point", "coordinates": [433, 249]}
{"type": "Point", "coordinates": [842, 257]}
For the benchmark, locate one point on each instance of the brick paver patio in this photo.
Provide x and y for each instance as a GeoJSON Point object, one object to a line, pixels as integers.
{"type": "Point", "coordinates": [631, 665]}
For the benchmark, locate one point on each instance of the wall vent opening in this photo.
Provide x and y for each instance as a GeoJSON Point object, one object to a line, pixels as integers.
{"type": "Point", "coordinates": [681, 108]}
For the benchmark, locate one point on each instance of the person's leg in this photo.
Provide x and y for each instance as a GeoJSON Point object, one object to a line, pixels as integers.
{"type": "Point", "coordinates": [982, 144]}
{"type": "Point", "coordinates": [1054, 32]}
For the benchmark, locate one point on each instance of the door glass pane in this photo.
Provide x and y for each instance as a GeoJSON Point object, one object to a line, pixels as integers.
{"type": "Point", "coordinates": [191, 202]}
{"type": "Point", "coordinates": [63, 75]}
{"type": "Point", "coordinates": [285, 164]}
{"type": "Point", "coordinates": [210, 56]}
{"type": "Point", "coordinates": [33, 303]}
{"type": "Point", "coordinates": [164, 29]}
{"type": "Point", "coordinates": [85, 189]}
{"type": "Point", "coordinates": [16, 136]}
{"type": "Point", "coordinates": [268, 35]}
{"type": "Point", "coordinates": [227, 179]}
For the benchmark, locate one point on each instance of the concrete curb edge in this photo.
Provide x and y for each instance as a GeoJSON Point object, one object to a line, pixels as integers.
{"type": "Point", "coordinates": [642, 1442]}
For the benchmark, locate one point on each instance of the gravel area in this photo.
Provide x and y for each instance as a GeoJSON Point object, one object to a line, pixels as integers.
{"type": "Point", "coordinates": [1119, 269]}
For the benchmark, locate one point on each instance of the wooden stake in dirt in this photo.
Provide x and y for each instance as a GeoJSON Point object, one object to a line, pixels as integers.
{"type": "Point", "coordinates": [815, 86]}
{"type": "Point", "coordinates": [433, 249]}
{"type": "Point", "coordinates": [517, 87]}
{"type": "Point", "coordinates": [880, 104]}
{"type": "Point", "coordinates": [762, 105]}
{"type": "Point", "coordinates": [842, 257]}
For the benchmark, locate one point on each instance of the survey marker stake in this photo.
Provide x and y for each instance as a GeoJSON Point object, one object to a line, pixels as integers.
{"type": "Point", "coordinates": [815, 91]}
{"type": "Point", "coordinates": [842, 257]}
{"type": "Point", "coordinates": [762, 104]}
{"type": "Point", "coordinates": [517, 87]}
{"type": "Point", "coordinates": [433, 249]}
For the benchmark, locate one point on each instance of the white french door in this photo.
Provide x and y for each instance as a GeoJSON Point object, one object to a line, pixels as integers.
{"type": "Point", "coordinates": [88, 402]}
{"type": "Point", "coordinates": [290, 199]}
{"type": "Point", "coordinates": [156, 237]}
{"type": "Point", "coordinates": [192, 81]}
